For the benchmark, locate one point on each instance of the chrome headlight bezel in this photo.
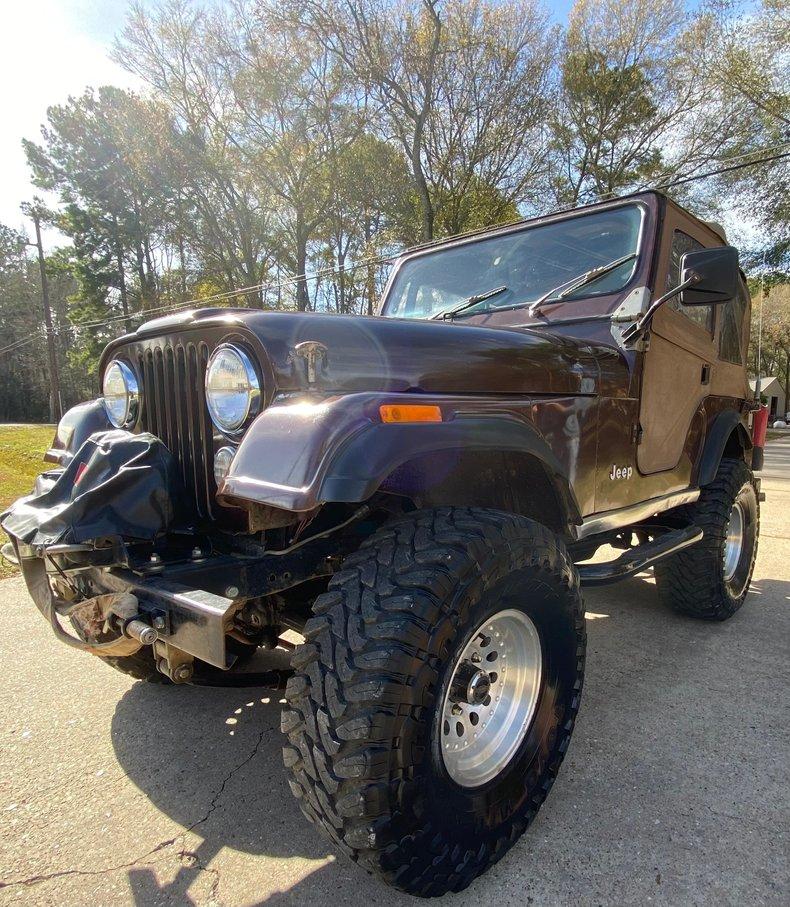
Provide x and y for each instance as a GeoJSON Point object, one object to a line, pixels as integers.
{"type": "Point", "coordinates": [130, 396]}
{"type": "Point", "coordinates": [250, 406]}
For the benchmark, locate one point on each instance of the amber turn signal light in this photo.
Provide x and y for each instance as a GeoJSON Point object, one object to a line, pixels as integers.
{"type": "Point", "coordinates": [409, 412]}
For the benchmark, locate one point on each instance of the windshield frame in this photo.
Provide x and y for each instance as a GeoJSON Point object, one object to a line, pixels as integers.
{"type": "Point", "coordinates": [521, 227]}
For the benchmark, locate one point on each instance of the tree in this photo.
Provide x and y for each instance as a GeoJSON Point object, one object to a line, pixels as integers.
{"type": "Point", "coordinates": [291, 124]}
{"type": "Point", "coordinates": [633, 107]}
{"type": "Point", "coordinates": [750, 60]}
{"type": "Point", "coordinates": [771, 293]}
{"type": "Point", "coordinates": [371, 213]}
{"type": "Point", "coordinates": [98, 154]}
{"type": "Point", "coordinates": [392, 51]}
{"type": "Point", "coordinates": [24, 382]}
{"type": "Point", "coordinates": [271, 104]}
{"type": "Point", "coordinates": [221, 208]}
{"type": "Point", "coordinates": [486, 149]}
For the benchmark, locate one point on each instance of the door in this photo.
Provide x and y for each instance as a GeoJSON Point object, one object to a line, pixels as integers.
{"type": "Point", "coordinates": [678, 366]}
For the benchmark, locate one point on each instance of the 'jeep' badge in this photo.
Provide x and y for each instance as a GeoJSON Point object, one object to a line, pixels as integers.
{"type": "Point", "coordinates": [621, 472]}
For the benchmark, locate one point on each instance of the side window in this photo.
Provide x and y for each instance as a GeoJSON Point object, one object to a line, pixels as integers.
{"type": "Point", "coordinates": [731, 330]}
{"type": "Point", "coordinates": [701, 315]}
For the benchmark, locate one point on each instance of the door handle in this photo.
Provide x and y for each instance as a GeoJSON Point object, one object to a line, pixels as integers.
{"type": "Point", "coordinates": [705, 376]}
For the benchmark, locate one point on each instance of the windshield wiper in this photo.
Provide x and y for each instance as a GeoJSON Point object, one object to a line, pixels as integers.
{"type": "Point", "coordinates": [576, 283]}
{"type": "Point", "coordinates": [468, 303]}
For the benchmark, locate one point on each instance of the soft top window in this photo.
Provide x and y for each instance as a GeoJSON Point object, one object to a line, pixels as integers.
{"type": "Point", "coordinates": [731, 330]}
{"type": "Point", "coordinates": [701, 315]}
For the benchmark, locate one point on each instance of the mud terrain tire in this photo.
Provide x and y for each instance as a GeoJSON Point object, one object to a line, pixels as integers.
{"type": "Point", "coordinates": [364, 722]}
{"type": "Point", "coordinates": [695, 581]}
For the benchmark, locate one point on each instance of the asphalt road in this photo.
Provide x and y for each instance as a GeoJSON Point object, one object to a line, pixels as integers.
{"type": "Point", "coordinates": [675, 790]}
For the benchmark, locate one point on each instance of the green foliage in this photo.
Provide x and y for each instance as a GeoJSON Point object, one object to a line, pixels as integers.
{"type": "Point", "coordinates": [771, 321]}
{"type": "Point", "coordinates": [752, 65]}
{"type": "Point", "coordinates": [609, 112]}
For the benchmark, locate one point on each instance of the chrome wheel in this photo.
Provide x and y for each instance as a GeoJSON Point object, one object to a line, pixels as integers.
{"type": "Point", "coordinates": [491, 698]}
{"type": "Point", "coordinates": [733, 544]}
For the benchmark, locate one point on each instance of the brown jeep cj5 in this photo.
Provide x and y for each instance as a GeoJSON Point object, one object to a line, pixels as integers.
{"type": "Point", "coordinates": [418, 494]}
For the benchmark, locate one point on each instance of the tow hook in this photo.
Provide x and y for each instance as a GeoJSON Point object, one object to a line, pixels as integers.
{"type": "Point", "coordinates": [8, 553]}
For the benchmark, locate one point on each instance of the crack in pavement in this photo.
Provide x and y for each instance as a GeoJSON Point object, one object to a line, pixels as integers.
{"type": "Point", "coordinates": [190, 859]}
{"type": "Point", "coordinates": [46, 877]}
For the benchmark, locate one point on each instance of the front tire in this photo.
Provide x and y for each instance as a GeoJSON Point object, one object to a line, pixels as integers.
{"type": "Point", "coordinates": [370, 738]}
{"type": "Point", "coordinates": [710, 580]}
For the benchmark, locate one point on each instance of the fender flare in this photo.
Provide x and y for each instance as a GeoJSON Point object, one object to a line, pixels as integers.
{"type": "Point", "coordinates": [297, 456]}
{"type": "Point", "coordinates": [716, 441]}
{"type": "Point", "coordinates": [383, 448]}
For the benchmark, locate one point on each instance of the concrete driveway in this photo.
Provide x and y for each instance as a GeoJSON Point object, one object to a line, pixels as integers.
{"type": "Point", "coordinates": [675, 791]}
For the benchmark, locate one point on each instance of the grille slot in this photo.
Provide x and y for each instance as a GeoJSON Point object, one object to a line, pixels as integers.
{"type": "Point", "coordinates": [174, 409]}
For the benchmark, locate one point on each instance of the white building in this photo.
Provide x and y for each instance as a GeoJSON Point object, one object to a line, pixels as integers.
{"type": "Point", "coordinates": [771, 389]}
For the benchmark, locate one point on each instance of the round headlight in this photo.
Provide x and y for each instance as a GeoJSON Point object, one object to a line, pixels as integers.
{"type": "Point", "coordinates": [121, 394]}
{"type": "Point", "coordinates": [233, 391]}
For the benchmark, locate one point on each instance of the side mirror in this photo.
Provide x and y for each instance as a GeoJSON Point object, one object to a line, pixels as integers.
{"type": "Point", "coordinates": [713, 276]}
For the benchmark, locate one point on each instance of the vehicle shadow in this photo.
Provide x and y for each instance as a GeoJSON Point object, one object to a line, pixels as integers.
{"type": "Point", "coordinates": [210, 758]}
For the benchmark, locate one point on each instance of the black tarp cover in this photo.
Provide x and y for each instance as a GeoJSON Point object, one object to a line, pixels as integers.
{"type": "Point", "coordinates": [118, 484]}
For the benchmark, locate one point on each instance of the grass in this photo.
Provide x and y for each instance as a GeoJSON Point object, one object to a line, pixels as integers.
{"type": "Point", "coordinates": [22, 450]}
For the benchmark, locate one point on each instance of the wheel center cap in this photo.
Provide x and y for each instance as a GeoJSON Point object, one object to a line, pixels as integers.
{"type": "Point", "coordinates": [470, 684]}
{"type": "Point", "coordinates": [478, 688]}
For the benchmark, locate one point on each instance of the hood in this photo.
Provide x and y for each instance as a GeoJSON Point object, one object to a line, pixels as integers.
{"type": "Point", "coordinates": [350, 353]}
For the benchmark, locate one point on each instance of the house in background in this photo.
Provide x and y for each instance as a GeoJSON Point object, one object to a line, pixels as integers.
{"type": "Point", "coordinates": [774, 395]}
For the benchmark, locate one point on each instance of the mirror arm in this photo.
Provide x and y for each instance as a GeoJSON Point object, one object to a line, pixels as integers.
{"type": "Point", "coordinates": [640, 326]}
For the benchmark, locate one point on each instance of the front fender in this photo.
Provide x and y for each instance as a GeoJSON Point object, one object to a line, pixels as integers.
{"type": "Point", "coordinates": [296, 456]}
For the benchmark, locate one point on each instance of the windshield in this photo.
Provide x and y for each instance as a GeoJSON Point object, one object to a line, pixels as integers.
{"type": "Point", "coordinates": [527, 263]}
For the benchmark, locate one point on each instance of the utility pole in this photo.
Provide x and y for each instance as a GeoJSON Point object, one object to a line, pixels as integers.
{"type": "Point", "coordinates": [55, 401]}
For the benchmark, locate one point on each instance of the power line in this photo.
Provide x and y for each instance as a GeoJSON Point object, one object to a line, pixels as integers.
{"type": "Point", "coordinates": [18, 343]}
{"type": "Point", "coordinates": [281, 284]}
{"type": "Point", "coordinates": [242, 291]}
{"type": "Point", "coordinates": [701, 176]}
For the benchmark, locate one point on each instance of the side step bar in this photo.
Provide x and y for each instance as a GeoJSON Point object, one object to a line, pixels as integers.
{"type": "Point", "coordinates": [640, 558]}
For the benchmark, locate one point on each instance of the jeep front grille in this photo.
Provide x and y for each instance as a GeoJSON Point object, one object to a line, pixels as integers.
{"type": "Point", "coordinates": [174, 409]}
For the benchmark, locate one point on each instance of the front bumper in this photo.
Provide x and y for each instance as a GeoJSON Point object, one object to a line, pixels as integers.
{"type": "Point", "coordinates": [192, 620]}
{"type": "Point", "coordinates": [108, 554]}
{"type": "Point", "coordinates": [189, 593]}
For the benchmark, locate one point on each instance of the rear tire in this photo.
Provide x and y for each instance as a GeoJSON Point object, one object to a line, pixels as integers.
{"type": "Point", "coordinates": [368, 750]}
{"type": "Point", "coordinates": [710, 580]}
